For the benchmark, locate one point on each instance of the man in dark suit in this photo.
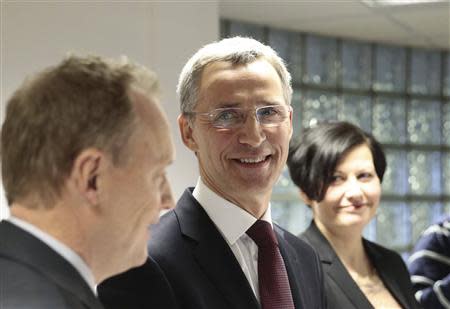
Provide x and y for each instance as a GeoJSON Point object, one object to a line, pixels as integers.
{"type": "Point", "coordinates": [236, 117]}
{"type": "Point", "coordinates": [83, 180]}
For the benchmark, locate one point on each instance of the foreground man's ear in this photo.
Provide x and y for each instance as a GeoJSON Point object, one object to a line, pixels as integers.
{"type": "Point", "coordinates": [85, 173]}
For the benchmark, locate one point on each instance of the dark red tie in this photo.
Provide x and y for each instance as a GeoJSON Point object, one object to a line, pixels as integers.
{"type": "Point", "coordinates": [274, 289]}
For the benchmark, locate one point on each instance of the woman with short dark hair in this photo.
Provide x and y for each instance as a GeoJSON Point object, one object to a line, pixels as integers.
{"type": "Point", "coordinates": [339, 168]}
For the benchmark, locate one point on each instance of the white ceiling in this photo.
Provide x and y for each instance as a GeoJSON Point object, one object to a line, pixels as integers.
{"type": "Point", "coordinates": [419, 25]}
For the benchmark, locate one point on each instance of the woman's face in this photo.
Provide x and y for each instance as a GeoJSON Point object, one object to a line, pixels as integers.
{"type": "Point", "coordinates": [352, 197]}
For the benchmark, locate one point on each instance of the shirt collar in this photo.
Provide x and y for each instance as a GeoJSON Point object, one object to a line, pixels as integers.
{"type": "Point", "coordinates": [231, 220]}
{"type": "Point", "coordinates": [67, 253]}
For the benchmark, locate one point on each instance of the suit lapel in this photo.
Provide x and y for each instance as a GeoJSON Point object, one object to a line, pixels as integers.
{"type": "Point", "coordinates": [292, 266]}
{"type": "Point", "coordinates": [386, 273]}
{"type": "Point", "coordinates": [213, 254]}
{"type": "Point", "coordinates": [334, 269]}
{"type": "Point", "coordinates": [21, 246]}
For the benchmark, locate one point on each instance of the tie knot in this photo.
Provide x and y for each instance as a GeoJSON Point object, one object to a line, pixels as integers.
{"type": "Point", "coordinates": [262, 234]}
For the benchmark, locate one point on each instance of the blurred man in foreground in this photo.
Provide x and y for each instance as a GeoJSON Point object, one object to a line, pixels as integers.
{"type": "Point", "coordinates": [84, 149]}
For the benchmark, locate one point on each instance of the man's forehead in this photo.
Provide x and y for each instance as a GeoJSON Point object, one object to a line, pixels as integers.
{"type": "Point", "coordinates": [154, 124]}
{"type": "Point", "coordinates": [223, 65]}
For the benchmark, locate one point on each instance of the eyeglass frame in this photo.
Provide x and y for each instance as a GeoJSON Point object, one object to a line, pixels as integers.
{"type": "Point", "coordinates": [215, 112]}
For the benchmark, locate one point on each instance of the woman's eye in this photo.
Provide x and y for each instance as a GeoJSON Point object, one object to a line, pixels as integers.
{"type": "Point", "coordinates": [365, 176]}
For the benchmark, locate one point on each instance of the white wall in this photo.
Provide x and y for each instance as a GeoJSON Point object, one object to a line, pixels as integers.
{"type": "Point", "coordinates": [159, 35]}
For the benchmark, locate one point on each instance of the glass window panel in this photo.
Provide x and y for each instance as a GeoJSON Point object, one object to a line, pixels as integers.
{"type": "Point", "coordinates": [292, 215]}
{"type": "Point", "coordinates": [424, 122]}
{"type": "Point", "coordinates": [389, 120]}
{"type": "Point", "coordinates": [393, 224]}
{"type": "Point", "coordinates": [297, 112]}
{"type": "Point", "coordinates": [288, 46]}
{"type": "Point", "coordinates": [370, 230]}
{"type": "Point", "coordinates": [223, 28]}
{"type": "Point", "coordinates": [446, 85]}
{"type": "Point", "coordinates": [446, 123]}
{"type": "Point", "coordinates": [447, 208]}
{"type": "Point", "coordinates": [285, 185]}
{"type": "Point", "coordinates": [318, 106]}
{"type": "Point", "coordinates": [423, 214]}
{"type": "Point", "coordinates": [390, 68]}
{"type": "Point", "coordinates": [396, 174]}
{"type": "Point", "coordinates": [424, 170]}
{"type": "Point", "coordinates": [321, 61]}
{"type": "Point", "coordinates": [446, 172]}
{"type": "Point", "coordinates": [247, 30]}
{"type": "Point", "coordinates": [357, 110]}
{"type": "Point", "coordinates": [425, 72]}
{"type": "Point", "coordinates": [356, 65]}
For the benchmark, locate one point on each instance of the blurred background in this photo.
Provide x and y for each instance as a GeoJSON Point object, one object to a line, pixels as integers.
{"type": "Point", "coordinates": [383, 65]}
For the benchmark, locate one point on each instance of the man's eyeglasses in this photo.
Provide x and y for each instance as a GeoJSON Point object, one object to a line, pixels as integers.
{"type": "Point", "coordinates": [234, 117]}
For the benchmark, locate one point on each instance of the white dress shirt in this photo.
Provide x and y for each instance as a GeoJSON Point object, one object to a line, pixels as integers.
{"type": "Point", "coordinates": [232, 222]}
{"type": "Point", "coordinates": [68, 254]}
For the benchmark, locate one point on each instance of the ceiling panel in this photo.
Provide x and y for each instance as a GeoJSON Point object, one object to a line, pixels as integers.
{"type": "Point", "coordinates": [414, 25]}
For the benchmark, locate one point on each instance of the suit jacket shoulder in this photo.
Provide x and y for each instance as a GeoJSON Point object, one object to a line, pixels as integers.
{"type": "Point", "coordinates": [203, 272]}
{"type": "Point", "coordinates": [34, 276]}
{"type": "Point", "coordinates": [141, 287]}
{"type": "Point", "coordinates": [342, 291]}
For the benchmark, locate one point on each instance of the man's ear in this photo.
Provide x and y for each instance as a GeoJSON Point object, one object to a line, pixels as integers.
{"type": "Point", "coordinates": [85, 173]}
{"type": "Point", "coordinates": [187, 133]}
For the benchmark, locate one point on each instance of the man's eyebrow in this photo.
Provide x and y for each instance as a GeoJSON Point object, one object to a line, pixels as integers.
{"type": "Point", "coordinates": [269, 102]}
{"type": "Point", "coordinates": [228, 104]}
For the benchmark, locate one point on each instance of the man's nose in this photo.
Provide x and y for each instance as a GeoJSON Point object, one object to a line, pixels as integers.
{"type": "Point", "coordinates": [251, 131]}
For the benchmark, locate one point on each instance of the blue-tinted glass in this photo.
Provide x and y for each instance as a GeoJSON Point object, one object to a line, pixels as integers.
{"type": "Point", "coordinates": [425, 72]}
{"type": "Point", "coordinates": [390, 68]}
{"type": "Point", "coordinates": [370, 231]}
{"type": "Point", "coordinates": [396, 174]}
{"type": "Point", "coordinates": [317, 107]}
{"type": "Point", "coordinates": [389, 120]}
{"type": "Point", "coordinates": [424, 122]}
{"type": "Point", "coordinates": [288, 46]}
{"type": "Point", "coordinates": [357, 110]}
{"type": "Point", "coordinates": [292, 215]}
{"type": "Point", "coordinates": [446, 209]}
{"type": "Point", "coordinates": [247, 30]}
{"type": "Point", "coordinates": [356, 65]}
{"type": "Point", "coordinates": [424, 168]}
{"type": "Point", "coordinates": [446, 172]}
{"type": "Point", "coordinates": [321, 61]}
{"type": "Point", "coordinates": [285, 185]}
{"type": "Point", "coordinates": [446, 85]}
{"type": "Point", "coordinates": [446, 123]}
{"type": "Point", "coordinates": [393, 224]}
{"type": "Point", "coordinates": [297, 112]}
{"type": "Point", "coordinates": [423, 214]}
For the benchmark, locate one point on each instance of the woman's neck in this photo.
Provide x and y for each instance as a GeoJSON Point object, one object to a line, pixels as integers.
{"type": "Point", "coordinates": [348, 245]}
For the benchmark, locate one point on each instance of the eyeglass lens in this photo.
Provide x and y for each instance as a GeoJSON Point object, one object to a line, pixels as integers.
{"type": "Point", "coordinates": [233, 117]}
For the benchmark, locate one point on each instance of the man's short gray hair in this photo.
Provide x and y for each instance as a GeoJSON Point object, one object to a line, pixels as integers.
{"type": "Point", "coordinates": [238, 50]}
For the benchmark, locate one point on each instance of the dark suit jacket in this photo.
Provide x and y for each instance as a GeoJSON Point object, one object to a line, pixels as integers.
{"type": "Point", "coordinates": [203, 271]}
{"type": "Point", "coordinates": [32, 275]}
{"type": "Point", "coordinates": [342, 291]}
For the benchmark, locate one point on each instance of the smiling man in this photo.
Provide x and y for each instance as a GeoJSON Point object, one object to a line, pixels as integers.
{"type": "Point", "coordinates": [84, 181]}
{"type": "Point", "coordinates": [219, 247]}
